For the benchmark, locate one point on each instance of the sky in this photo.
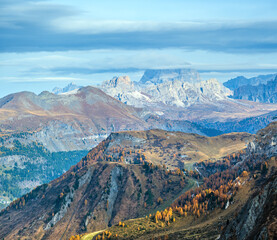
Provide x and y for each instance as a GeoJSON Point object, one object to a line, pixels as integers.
{"type": "Point", "coordinates": [46, 43]}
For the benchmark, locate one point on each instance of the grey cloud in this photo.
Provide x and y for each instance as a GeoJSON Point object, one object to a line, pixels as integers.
{"type": "Point", "coordinates": [74, 70]}
{"type": "Point", "coordinates": [257, 37]}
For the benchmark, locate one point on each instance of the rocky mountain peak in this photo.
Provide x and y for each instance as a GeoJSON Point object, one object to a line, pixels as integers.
{"type": "Point", "coordinates": [125, 80]}
{"type": "Point", "coordinates": [174, 91]}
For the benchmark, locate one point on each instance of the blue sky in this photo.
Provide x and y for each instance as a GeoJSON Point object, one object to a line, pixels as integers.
{"type": "Point", "coordinates": [51, 43]}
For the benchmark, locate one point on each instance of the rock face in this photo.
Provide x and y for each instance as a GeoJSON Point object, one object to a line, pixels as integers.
{"type": "Point", "coordinates": [258, 218]}
{"type": "Point", "coordinates": [266, 93]}
{"type": "Point", "coordinates": [164, 75]}
{"type": "Point", "coordinates": [265, 142]}
{"type": "Point", "coordinates": [176, 99]}
{"type": "Point", "coordinates": [254, 81]}
{"type": "Point", "coordinates": [179, 88]}
{"type": "Point", "coordinates": [185, 94]}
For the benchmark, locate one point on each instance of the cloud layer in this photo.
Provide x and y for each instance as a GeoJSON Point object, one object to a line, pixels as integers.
{"type": "Point", "coordinates": [44, 26]}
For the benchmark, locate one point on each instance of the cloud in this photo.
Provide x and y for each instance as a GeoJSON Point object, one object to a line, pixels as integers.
{"type": "Point", "coordinates": [256, 37]}
{"type": "Point", "coordinates": [44, 26]}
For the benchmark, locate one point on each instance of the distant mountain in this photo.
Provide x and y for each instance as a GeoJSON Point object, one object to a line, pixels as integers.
{"type": "Point", "coordinates": [42, 135]}
{"type": "Point", "coordinates": [77, 121]}
{"type": "Point", "coordinates": [179, 91]}
{"type": "Point", "coordinates": [266, 93]}
{"type": "Point", "coordinates": [69, 88]}
{"type": "Point", "coordinates": [176, 100]}
{"type": "Point", "coordinates": [250, 124]}
{"type": "Point", "coordinates": [67, 122]}
{"type": "Point", "coordinates": [254, 81]}
{"type": "Point", "coordinates": [157, 76]}
{"type": "Point", "coordinates": [185, 94]}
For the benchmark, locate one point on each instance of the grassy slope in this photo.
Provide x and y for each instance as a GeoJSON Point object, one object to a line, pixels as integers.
{"type": "Point", "coordinates": [177, 149]}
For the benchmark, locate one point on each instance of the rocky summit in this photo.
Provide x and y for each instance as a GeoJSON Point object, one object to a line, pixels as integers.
{"type": "Point", "coordinates": [180, 88]}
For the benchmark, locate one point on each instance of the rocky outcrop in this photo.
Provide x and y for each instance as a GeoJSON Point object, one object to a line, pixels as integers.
{"type": "Point", "coordinates": [265, 142]}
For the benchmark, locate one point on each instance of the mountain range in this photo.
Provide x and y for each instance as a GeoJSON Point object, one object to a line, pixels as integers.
{"type": "Point", "coordinates": [174, 92]}
{"type": "Point", "coordinates": [43, 135]}
{"type": "Point", "coordinates": [76, 120]}
{"type": "Point", "coordinates": [203, 101]}
{"type": "Point", "coordinates": [258, 89]}
{"type": "Point", "coordinates": [157, 156]}
{"type": "Point", "coordinates": [67, 122]}
{"type": "Point", "coordinates": [240, 81]}
{"type": "Point", "coordinates": [266, 93]}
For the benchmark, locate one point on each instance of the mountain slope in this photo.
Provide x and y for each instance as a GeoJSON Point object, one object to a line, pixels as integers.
{"type": "Point", "coordinates": [76, 121]}
{"type": "Point", "coordinates": [67, 122]}
{"type": "Point", "coordinates": [258, 217]}
{"type": "Point", "coordinates": [89, 198]}
{"type": "Point", "coordinates": [24, 167]}
{"type": "Point", "coordinates": [237, 200]}
{"type": "Point", "coordinates": [121, 178]}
